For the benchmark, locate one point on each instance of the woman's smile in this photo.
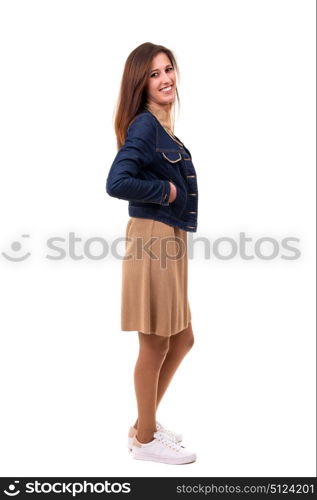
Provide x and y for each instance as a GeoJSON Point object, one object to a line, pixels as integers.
{"type": "Point", "coordinates": [167, 89]}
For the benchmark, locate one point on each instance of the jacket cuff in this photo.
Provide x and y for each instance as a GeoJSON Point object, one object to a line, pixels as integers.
{"type": "Point", "coordinates": [165, 193]}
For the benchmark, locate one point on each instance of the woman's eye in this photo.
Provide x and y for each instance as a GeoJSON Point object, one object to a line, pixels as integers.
{"type": "Point", "coordinates": [168, 69]}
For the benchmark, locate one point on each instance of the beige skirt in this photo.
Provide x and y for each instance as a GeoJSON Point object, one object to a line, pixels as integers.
{"type": "Point", "coordinates": [154, 278]}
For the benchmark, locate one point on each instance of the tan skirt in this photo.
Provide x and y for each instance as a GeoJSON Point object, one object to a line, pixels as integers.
{"type": "Point", "coordinates": [154, 278]}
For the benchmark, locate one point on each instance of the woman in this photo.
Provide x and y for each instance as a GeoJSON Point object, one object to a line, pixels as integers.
{"type": "Point", "coordinates": [154, 172]}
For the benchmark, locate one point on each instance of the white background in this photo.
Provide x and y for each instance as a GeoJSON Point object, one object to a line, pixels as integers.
{"type": "Point", "coordinates": [244, 397]}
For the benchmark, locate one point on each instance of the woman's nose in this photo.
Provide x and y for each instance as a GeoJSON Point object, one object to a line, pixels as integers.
{"type": "Point", "coordinates": [166, 83]}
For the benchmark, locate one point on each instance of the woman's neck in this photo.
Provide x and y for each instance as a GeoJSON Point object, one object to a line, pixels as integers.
{"type": "Point", "coordinates": [162, 114]}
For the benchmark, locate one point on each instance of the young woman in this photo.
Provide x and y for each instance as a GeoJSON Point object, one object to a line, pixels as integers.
{"type": "Point", "coordinates": [153, 170]}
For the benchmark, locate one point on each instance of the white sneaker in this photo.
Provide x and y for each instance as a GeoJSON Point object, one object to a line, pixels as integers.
{"type": "Point", "coordinates": [174, 436]}
{"type": "Point", "coordinates": [162, 449]}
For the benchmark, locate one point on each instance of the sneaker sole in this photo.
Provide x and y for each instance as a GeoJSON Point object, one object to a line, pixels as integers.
{"type": "Point", "coordinates": [171, 461]}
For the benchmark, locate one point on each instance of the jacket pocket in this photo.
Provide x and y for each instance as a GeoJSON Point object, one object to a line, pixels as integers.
{"type": "Point", "coordinates": [174, 164]}
{"type": "Point", "coordinates": [177, 206]}
{"type": "Point", "coordinates": [172, 156]}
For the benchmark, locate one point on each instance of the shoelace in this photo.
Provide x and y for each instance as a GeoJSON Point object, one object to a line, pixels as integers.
{"type": "Point", "coordinates": [170, 443]}
{"type": "Point", "coordinates": [171, 434]}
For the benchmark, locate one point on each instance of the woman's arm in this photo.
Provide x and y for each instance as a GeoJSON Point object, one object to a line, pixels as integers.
{"type": "Point", "coordinates": [138, 151]}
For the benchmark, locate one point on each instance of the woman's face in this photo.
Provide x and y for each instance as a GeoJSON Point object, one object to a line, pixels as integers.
{"type": "Point", "coordinates": [162, 75]}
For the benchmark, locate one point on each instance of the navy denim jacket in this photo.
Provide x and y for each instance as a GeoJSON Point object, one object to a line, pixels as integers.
{"type": "Point", "coordinates": [142, 169]}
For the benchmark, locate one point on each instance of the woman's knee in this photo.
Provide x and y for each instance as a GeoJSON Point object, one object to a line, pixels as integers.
{"type": "Point", "coordinates": [190, 341]}
{"type": "Point", "coordinates": [183, 341]}
{"type": "Point", "coordinates": [154, 345]}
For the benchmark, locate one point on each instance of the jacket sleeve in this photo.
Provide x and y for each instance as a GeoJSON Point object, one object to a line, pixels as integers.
{"type": "Point", "coordinates": [138, 151]}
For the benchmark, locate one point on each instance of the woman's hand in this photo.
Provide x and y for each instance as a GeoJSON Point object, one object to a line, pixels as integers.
{"type": "Point", "coordinates": [173, 192]}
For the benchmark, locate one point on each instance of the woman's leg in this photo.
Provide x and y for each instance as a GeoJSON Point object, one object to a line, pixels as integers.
{"type": "Point", "coordinates": [152, 352]}
{"type": "Point", "coordinates": [179, 345]}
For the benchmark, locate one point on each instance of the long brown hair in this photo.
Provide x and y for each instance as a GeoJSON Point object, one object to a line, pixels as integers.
{"type": "Point", "coordinates": [133, 96]}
